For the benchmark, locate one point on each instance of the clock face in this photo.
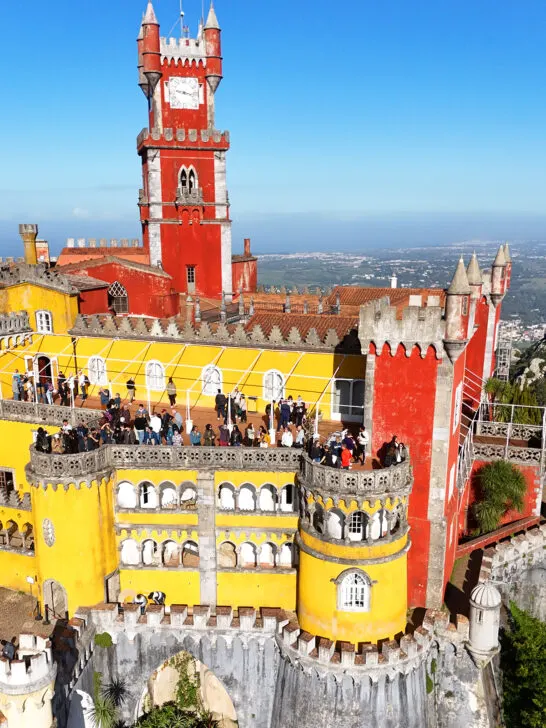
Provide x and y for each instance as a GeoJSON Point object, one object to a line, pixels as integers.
{"type": "Point", "coordinates": [184, 93]}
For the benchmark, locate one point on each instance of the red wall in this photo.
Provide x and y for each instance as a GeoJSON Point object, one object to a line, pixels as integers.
{"type": "Point", "coordinates": [149, 294]}
{"type": "Point", "coordinates": [404, 394]}
{"type": "Point", "coordinates": [245, 275]}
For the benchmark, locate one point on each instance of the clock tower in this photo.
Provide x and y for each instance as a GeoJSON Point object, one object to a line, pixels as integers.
{"type": "Point", "coordinates": [184, 204]}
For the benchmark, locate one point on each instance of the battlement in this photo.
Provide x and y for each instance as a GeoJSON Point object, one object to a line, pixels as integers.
{"type": "Point", "coordinates": [33, 669]}
{"type": "Point", "coordinates": [16, 322]}
{"type": "Point", "coordinates": [103, 243]}
{"type": "Point", "coordinates": [184, 49]}
{"type": "Point", "coordinates": [40, 273]}
{"type": "Point", "coordinates": [215, 333]}
{"type": "Point", "coordinates": [66, 468]}
{"type": "Point", "coordinates": [191, 138]}
{"type": "Point", "coordinates": [504, 563]}
{"type": "Point", "coordinates": [295, 643]}
{"type": "Point", "coordinates": [386, 482]}
{"type": "Point", "coordinates": [415, 325]}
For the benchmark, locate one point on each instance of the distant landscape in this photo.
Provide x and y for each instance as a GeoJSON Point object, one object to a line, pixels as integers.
{"type": "Point", "coordinates": [524, 308]}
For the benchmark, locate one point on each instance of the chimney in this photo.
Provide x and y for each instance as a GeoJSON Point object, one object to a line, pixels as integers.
{"type": "Point", "coordinates": [29, 233]}
{"type": "Point", "coordinates": [248, 254]}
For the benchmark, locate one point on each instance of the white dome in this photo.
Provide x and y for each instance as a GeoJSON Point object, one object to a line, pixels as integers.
{"type": "Point", "coordinates": [486, 596]}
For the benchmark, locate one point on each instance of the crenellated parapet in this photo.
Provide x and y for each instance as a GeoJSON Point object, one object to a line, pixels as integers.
{"type": "Point", "coordinates": [32, 670]}
{"type": "Point", "coordinates": [183, 139]}
{"type": "Point", "coordinates": [237, 335]}
{"type": "Point", "coordinates": [51, 468]}
{"type": "Point", "coordinates": [421, 326]}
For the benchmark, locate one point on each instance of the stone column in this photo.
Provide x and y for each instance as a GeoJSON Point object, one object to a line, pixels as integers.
{"type": "Point", "coordinates": [206, 510]}
{"type": "Point", "coordinates": [438, 479]}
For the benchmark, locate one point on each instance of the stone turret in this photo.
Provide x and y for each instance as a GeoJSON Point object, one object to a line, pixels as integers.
{"type": "Point", "coordinates": [457, 311]}
{"type": "Point", "coordinates": [498, 277]}
{"type": "Point", "coordinates": [485, 605]}
{"type": "Point", "coordinates": [26, 684]}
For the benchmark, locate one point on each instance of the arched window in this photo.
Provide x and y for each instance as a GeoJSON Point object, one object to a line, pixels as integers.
{"type": "Point", "coordinates": [353, 591]}
{"type": "Point", "coordinates": [211, 378]}
{"type": "Point", "coordinates": [273, 386]}
{"type": "Point", "coordinates": [97, 370]}
{"type": "Point", "coordinates": [155, 376]}
{"type": "Point", "coordinates": [126, 495]}
{"type": "Point", "coordinates": [188, 180]}
{"type": "Point", "coordinates": [356, 526]}
{"type": "Point", "coordinates": [44, 322]}
{"type": "Point", "coordinates": [118, 299]}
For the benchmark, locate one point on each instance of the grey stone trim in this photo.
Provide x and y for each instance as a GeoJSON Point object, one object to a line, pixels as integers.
{"type": "Point", "coordinates": [206, 506]}
{"type": "Point", "coordinates": [438, 478]}
{"type": "Point", "coordinates": [351, 562]}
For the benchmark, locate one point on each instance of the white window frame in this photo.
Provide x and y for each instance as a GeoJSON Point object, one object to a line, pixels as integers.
{"type": "Point", "coordinates": [353, 417]}
{"type": "Point", "coordinates": [351, 596]}
{"type": "Point", "coordinates": [44, 326]}
{"type": "Point", "coordinates": [207, 383]}
{"type": "Point", "coordinates": [457, 407]}
{"type": "Point", "coordinates": [97, 375]}
{"type": "Point", "coordinates": [155, 382]}
{"type": "Point", "coordinates": [273, 391]}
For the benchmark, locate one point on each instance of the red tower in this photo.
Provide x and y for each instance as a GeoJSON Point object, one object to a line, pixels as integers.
{"type": "Point", "coordinates": [184, 205]}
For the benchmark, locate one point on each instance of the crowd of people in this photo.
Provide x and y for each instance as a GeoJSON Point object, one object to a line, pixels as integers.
{"type": "Point", "coordinates": [285, 425]}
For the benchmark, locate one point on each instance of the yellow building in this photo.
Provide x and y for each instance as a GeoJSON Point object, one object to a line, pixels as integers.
{"type": "Point", "coordinates": [219, 526]}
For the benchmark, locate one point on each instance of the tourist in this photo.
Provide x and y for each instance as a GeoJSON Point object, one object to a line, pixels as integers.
{"type": "Point", "coordinates": [16, 386]}
{"type": "Point", "coordinates": [220, 405]}
{"type": "Point", "coordinates": [236, 439]}
{"type": "Point", "coordinates": [287, 439]}
{"type": "Point", "coordinates": [171, 391]}
{"type": "Point", "coordinates": [195, 436]}
{"type": "Point", "coordinates": [209, 437]}
{"type": "Point", "coordinates": [140, 423]}
{"type": "Point", "coordinates": [131, 390]}
{"type": "Point", "coordinates": [362, 441]}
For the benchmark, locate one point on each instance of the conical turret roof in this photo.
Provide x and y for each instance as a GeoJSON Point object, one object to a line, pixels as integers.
{"type": "Point", "coordinates": [212, 21]}
{"type": "Point", "coordinates": [500, 258]}
{"type": "Point", "coordinates": [459, 284]}
{"type": "Point", "coordinates": [149, 15]}
{"type": "Point", "coordinates": [507, 253]}
{"type": "Point", "coordinates": [473, 271]}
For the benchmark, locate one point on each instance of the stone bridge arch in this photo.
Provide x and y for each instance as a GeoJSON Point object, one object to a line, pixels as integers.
{"type": "Point", "coordinates": [246, 666]}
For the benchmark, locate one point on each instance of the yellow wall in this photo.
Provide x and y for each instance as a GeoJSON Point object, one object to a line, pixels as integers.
{"type": "Point", "coordinates": [317, 593]}
{"type": "Point", "coordinates": [257, 589]}
{"type": "Point", "coordinates": [31, 297]}
{"type": "Point", "coordinates": [84, 552]}
{"type": "Point", "coordinates": [308, 374]}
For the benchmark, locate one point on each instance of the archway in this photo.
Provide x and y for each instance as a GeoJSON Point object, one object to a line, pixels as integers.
{"type": "Point", "coordinates": [187, 676]}
{"type": "Point", "coordinates": [55, 599]}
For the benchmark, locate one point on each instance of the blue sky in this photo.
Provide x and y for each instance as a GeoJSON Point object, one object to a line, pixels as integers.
{"type": "Point", "coordinates": [423, 113]}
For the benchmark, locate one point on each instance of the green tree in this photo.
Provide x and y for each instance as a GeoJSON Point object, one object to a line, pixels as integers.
{"type": "Point", "coordinates": [502, 487]}
{"type": "Point", "coordinates": [523, 662]}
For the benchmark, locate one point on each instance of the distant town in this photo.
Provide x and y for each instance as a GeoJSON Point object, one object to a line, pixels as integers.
{"type": "Point", "coordinates": [524, 309]}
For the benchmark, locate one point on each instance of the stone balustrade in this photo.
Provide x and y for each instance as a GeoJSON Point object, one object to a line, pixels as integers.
{"type": "Point", "coordinates": [397, 479]}
{"type": "Point", "coordinates": [14, 323]}
{"type": "Point", "coordinates": [46, 414]}
{"type": "Point", "coordinates": [129, 457]}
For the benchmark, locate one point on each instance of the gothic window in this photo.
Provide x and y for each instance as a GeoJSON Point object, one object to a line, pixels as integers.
{"type": "Point", "coordinates": [273, 386]}
{"type": "Point", "coordinates": [353, 591]}
{"type": "Point", "coordinates": [155, 376]}
{"type": "Point", "coordinates": [97, 370]}
{"type": "Point", "coordinates": [211, 378]}
{"type": "Point", "coordinates": [44, 322]}
{"type": "Point", "coordinates": [118, 300]}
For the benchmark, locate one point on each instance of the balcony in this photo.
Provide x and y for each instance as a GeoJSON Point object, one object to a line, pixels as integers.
{"type": "Point", "coordinates": [396, 480]}
{"type": "Point", "coordinates": [134, 457]}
